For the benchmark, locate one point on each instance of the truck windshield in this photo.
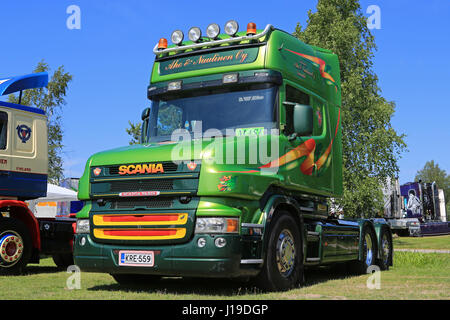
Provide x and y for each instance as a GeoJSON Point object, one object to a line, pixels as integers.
{"type": "Point", "coordinates": [230, 111]}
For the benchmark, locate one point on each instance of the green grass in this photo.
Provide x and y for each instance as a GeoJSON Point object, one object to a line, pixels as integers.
{"type": "Point", "coordinates": [414, 276]}
{"type": "Point", "coordinates": [433, 242]}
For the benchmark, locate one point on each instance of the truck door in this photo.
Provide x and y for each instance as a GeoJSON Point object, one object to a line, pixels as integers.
{"type": "Point", "coordinates": [312, 152]}
{"type": "Point", "coordinates": [5, 151]}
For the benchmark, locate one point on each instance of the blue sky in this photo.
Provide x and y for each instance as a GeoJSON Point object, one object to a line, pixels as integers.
{"type": "Point", "coordinates": [111, 57]}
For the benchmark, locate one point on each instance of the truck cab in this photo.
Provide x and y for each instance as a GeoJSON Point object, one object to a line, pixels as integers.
{"type": "Point", "coordinates": [23, 146]}
{"type": "Point", "coordinates": [23, 176]}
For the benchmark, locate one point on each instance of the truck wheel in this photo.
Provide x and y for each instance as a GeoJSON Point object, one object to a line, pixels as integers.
{"type": "Point", "coordinates": [63, 260]}
{"type": "Point", "coordinates": [386, 249]}
{"type": "Point", "coordinates": [283, 264]}
{"type": "Point", "coordinates": [15, 246]}
{"type": "Point", "coordinates": [128, 280]}
{"type": "Point", "coordinates": [369, 251]}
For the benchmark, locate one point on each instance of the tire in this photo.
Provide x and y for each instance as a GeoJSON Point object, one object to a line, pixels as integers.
{"type": "Point", "coordinates": [386, 249]}
{"type": "Point", "coordinates": [15, 246]}
{"type": "Point", "coordinates": [369, 251]}
{"type": "Point", "coordinates": [283, 264]}
{"type": "Point", "coordinates": [135, 280]}
{"type": "Point", "coordinates": [63, 260]}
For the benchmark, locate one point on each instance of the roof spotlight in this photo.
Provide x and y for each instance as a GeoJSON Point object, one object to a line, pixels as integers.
{"type": "Point", "coordinates": [213, 30]}
{"type": "Point", "coordinates": [194, 34]}
{"type": "Point", "coordinates": [231, 28]}
{"type": "Point", "coordinates": [177, 37]}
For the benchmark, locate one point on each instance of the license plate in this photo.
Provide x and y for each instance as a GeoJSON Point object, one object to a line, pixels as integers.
{"type": "Point", "coordinates": [137, 258]}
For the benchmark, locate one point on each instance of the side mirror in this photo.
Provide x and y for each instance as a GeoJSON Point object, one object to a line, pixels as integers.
{"type": "Point", "coordinates": [145, 125]}
{"type": "Point", "coordinates": [145, 113]}
{"type": "Point", "coordinates": [303, 120]}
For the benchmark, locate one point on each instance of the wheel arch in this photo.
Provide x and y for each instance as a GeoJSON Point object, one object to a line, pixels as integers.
{"type": "Point", "coordinates": [380, 226]}
{"type": "Point", "coordinates": [274, 205]}
{"type": "Point", "coordinates": [362, 224]}
{"type": "Point", "coordinates": [20, 211]}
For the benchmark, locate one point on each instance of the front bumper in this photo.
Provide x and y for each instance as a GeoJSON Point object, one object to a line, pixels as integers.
{"type": "Point", "coordinates": [186, 259]}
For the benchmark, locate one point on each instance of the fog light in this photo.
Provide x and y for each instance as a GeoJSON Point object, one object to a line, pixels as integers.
{"type": "Point", "coordinates": [220, 242]}
{"type": "Point", "coordinates": [82, 241]}
{"type": "Point", "coordinates": [201, 242]}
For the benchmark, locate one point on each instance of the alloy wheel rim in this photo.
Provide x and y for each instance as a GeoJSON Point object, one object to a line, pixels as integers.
{"type": "Point", "coordinates": [11, 248]}
{"type": "Point", "coordinates": [368, 249]}
{"type": "Point", "coordinates": [386, 248]}
{"type": "Point", "coordinates": [285, 253]}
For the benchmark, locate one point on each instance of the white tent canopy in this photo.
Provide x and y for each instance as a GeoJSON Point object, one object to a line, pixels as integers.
{"type": "Point", "coordinates": [55, 194]}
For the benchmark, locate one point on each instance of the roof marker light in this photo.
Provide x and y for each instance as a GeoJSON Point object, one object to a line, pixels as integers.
{"type": "Point", "coordinates": [194, 34]}
{"type": "Point", "coordinates": [213, 30]}
{"type": "Point", "coordinates": [177, 37]}
{"type": "Point", "coordinates": [175, 85]}
{"type": "Point", "coordinates": [162, 44]}
{"type": "Point", "coordinates": [230, 78]}
{"type": "Point", "coordinates": [231, 28]}
{"type": "Point", "coordinates": [251, 29]}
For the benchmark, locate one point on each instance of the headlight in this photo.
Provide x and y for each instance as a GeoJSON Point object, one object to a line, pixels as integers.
{"type": "Point", "coordinates": [217, 225]}
{"type": "Point", "coordinates": [194, 34]}
{"type": "Point", "coordinates": [82, 226]}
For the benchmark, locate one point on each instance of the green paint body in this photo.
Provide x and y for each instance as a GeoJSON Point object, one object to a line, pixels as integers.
{"type": "Point", "coordinates": [308, 170]}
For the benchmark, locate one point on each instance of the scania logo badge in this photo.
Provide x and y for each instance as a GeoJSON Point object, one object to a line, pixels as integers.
{"type": "Point", "coordinates": [24, 133]}
{"type": "Point", "coordinates": [97, 171]}
{"type": "Point", "coordinates": [191, 166]}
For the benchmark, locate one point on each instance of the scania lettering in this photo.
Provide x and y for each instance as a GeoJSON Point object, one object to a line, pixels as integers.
{"type": "Point", "coordinates": [243, 135]}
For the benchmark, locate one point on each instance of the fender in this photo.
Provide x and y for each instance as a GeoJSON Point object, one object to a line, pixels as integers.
{"type": "Point", "coordinates": [20, 211]}
{"type": "Point", "coordinates": [275, 202]}
{"type": "Point", "coordinates": [362, 223]}
{"type": "Point", "coordinates": [380, 224]}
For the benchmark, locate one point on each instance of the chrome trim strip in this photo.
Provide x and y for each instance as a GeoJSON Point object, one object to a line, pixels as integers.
{"type": "Point", "coordinates": [252, 261]}
{"type": "Point", "coordinates": [214, 42]}
{"type": "Point", "coordinates": [312, 259]}
{"type": "Point", "coordinates": [252, 225]}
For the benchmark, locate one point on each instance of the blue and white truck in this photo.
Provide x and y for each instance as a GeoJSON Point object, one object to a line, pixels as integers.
{"type": "Point", "coordinates": [23, 176]}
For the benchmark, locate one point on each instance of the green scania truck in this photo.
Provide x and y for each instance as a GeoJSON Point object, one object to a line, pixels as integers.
{"type": "Point", "coordinates": [239, 154]}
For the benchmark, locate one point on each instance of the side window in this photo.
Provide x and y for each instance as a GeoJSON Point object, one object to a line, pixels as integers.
{"type": "Point", "coordinates": [297, 96]}
{"type": "Point", "coordinates": [3, 129]}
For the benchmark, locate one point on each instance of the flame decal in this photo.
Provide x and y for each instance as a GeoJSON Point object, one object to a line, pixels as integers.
{"type": "Point", "coordinates": [319, 61]}
{"type": "Point", "coordinates": [307, 149]}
